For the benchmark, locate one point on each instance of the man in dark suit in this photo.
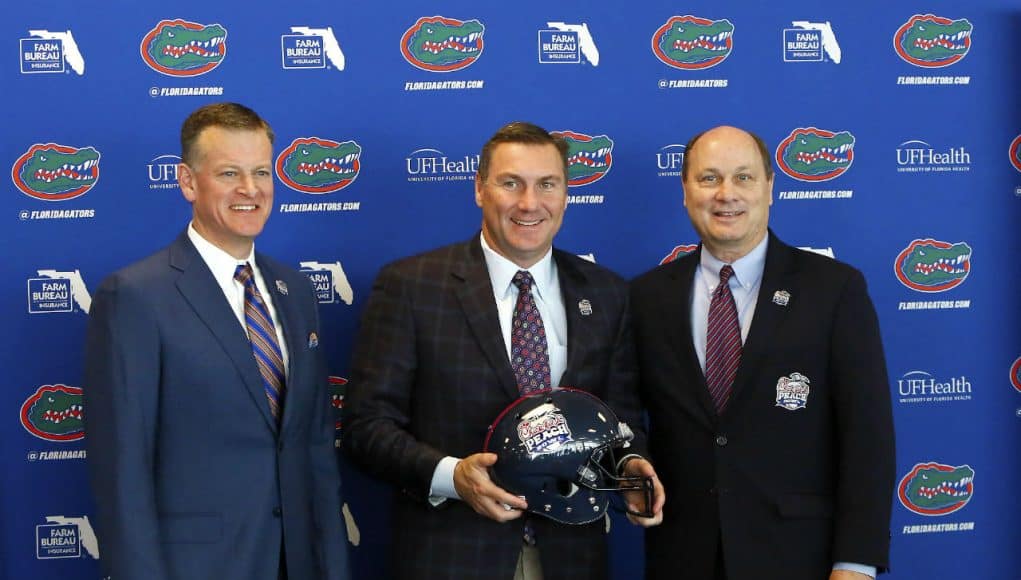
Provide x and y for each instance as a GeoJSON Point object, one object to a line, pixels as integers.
{"type": "Point", "coordinates": [763, 373]}
{"type": "Point", "coordinates": [210, 437]}
{"type": "Point", "coordinates": [434, 366]}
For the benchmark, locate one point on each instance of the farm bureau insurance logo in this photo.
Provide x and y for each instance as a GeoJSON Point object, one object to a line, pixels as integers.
{"type": "Point", "coordinates": [588, 158]}
{"type": "Point", "coordinates": [692, 42]}
{"type": "Point", "coordinates": [810, 42]}
{"type": "Point", "coordinates": [933, 266]}
{"type": "Point", "coordinates": [311, 48]}
{"type": "Point", "coordinates": [47, 52]}
{"type": "Point", "coordinates": [811, 154]}
{"type": "Point", "coordinates": [57, 291]}
{"type": "Point", "coordinates": [441, 44]}
{"type": "Point", "coordinates": [931, 41]}
{"type": "Point", "coordinates": [316, 166]}
{"type": "Point", "coordinates": [935, 489]}
{"type": "Point", "coordinates": [567, 43]}
{"type": "Point", "coordinates": [54, 413]}
{"type": "Point", "coordinates": [180, 48]}
{"type": "Point", "coordinates": [53, 172]}
{"type": "Point", "coordinates": [64, 537]}
{"type": "Point", "coordinates": [329, 281]}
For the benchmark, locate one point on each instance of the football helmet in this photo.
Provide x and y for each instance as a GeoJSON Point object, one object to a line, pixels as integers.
{"type": "Point", "coordinates": [558, 449]}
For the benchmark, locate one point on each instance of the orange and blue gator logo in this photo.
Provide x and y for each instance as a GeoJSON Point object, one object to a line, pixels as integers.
{"type": "Point", "coordinates": [930, 41]}
{"type": "Point", "coordinates": [317, 166]}
{"type": "Point", "coordinates": [441, 44]}
{"type": "Point", "coordinates": [588, 158]}
{"type": "Point", "coordinates": [935, 489]}
{"type": "Point", "coordinates": [53, 172]}
{"type": "Point", "coordinates": [54, 413]}
{"type": "Point", "coordinates": [811, 154]}
{"type": "Point", "coordinates": [932, 265]}
{"type": "Point", "coordinates": [179, 48]}
{"type": "Point", "coordinates": [692, 42]}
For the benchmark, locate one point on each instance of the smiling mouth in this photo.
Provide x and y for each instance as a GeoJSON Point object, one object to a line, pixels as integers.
{"type": "Point", "coordinates": [244, 207]}
{"type": "Point", "coordinates": [727, 214]}
{"type": "Point", "coordinates": [526, 223]}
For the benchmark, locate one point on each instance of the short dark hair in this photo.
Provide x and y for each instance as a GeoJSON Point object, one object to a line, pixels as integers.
{"type": "Point", "coordinates": [227, 115]}
{"type": "Point", "coordinates": [520, 132]}
{"type": "Point", "coordinates": [767, 159]}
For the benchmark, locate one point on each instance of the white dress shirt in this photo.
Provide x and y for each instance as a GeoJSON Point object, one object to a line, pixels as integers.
{"type": "Point", "coordinates": [223, 265]}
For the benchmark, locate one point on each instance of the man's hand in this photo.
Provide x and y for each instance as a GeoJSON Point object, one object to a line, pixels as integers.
{"type": "Point", "coordinates": [848, 575]}
{"type": "Point", "coordinates": [639, 467]}
{"type": "Point", "coordinates": [472, 482]}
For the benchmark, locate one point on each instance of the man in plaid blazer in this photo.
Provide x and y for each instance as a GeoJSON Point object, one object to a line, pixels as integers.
{"type": "Point", "coordinates": [431, 371]}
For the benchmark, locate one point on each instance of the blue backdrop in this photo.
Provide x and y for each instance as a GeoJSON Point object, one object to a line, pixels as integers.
{"type": "Point", "coordinates": [896, 129]}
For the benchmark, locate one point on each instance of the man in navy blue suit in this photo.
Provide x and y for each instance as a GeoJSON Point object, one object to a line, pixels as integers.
{"type": "Point", "coordinates": [206, 460]}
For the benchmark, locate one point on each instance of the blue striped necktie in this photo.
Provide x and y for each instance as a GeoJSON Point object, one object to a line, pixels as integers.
{"type": "Point", "coordinates": [263, 336]}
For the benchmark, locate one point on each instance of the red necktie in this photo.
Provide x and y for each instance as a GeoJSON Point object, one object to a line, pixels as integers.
{"type": "Point", "coordinates": [529, 357]}
{"type": "Point", "coordinates": [723, 342]}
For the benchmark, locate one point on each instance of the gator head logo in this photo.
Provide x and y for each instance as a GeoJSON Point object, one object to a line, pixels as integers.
{"type": "Point", "coordinates": [54, 413]}
{"type": "Point", "coordinates": [932, 41]}
{"type": "Point", "coordinates": [810, 154]}
{"type": "Point", "coordinates": [677, 252]}
{"type": "Point", "coordinates": [54, 172]}
{"type": "Point", "coordinates": [1015, 152]}
{"type": "Point", "coordinates": [337, 389]}
{"type": "Point", "coordinates": [933, 266]}
{"type": "Point", "coordinates": [179, 48]}
{"type": "Point", "coordinates": [1015, 374]}
{"type": "Point", "coordinates": [439, 44]}
{"type": "Point", "coordinates": [316, 166]}
{"type": "Point", "coordinates": [691, 43]}
{"type": "Point", "coordinates": [933, 489]}
{"type": "Point", "coordinates": [588, 158]}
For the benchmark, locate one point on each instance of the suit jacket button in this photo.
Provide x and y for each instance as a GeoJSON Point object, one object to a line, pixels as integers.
{"type": "Point", "coordinates": [721, 440]}
{"type": "Point", "coordinates": [277, 512]}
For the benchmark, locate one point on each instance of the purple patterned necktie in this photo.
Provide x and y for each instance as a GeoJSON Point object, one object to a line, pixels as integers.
{"type": "Point", "coordinates": [723, 342]}
{"type": "Point", "coordinates": [263, 336]}
{"type": "Point", "coordinates": [529, 357]}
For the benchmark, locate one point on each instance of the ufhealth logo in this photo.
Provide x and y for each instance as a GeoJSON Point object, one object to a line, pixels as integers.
{"type": "Point", "coordinates": [678, 252]}
{"type": "Point", "coordinates": [810, 42]}
{"type": "Point", "coordinates": [935, 489]}
{"type": "Point", "coordinates": [329, 281]}
{"type": "Point", "coordinates": [163, 172]}
{"type": "Point", "coordinates": [428, 164]}
{"type": "Point", "coordinates": [933, 266]}
{"type": "Point", "coordinates": [441, 44]}
{"type": "Point", "coordinates": [917, 156]}
{"type": "Point", "coordinates": [1015, 374]}
{"type": "Point", "coordinates": [669, 159]}
{"type": "Point", "coordinates": [923, 387]}
{"type": "Point", "coordinates": [567, 43]}
{"type": "Point", "coordinates": [588, 158]}
{"type": "Point", "coordinates": [48, 52]}
{"type": "Point", "coordinates": [811, 154]}
{"type": "Point", "coordinates": [311, 48]}
{"type": "Point", "coordinates": [54, 413]}
{"type": "Point", "coordinates": [53, 172]}
{"type": "Point", "coordinates": [64, 537]}
{"type": "Point", "coordinates": [317, 166]}
{"type": "Point", "coordinates": [692, 42]}
{"type": "Point", "coordinates": [930, 41]}
{"type": "Point", "coordinates": [58, 291]}
{"type": "Point", "coordinates": [180, 48]}
{"type": "Point", "coordinates": [1015, 152]}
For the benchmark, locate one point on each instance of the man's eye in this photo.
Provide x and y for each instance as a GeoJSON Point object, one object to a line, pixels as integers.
{"type": "Point", "coordinates": [262, 173]}
{"type": "Point", "coordinates": [708, 178]}
{"type": "Point", "coordinates": [229, 173]}
{"type": "Point", "coordinates": [509, 184]}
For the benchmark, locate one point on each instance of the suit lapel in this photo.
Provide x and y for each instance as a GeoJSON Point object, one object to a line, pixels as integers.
{"type": "Point", "coordinates": [574, 288]}
{"type": "Point", "coordinates": [475, 294]}
{"type": "Point", "coordinates": [677, 313]}
{"type": "Point", "coordinates": [777, 276]}
{"type": "Point", "coordinates": [200, 290]}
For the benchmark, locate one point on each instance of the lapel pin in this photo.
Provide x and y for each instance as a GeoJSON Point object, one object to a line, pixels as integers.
{"type": "Point", "coordinates": [781, 297]}
{"type": "Point", "coordinates": [313, 340]}
{"type": "Point", "coordinates": [282, 287]}
{"type": "Point", "coordinates": [585, 307]}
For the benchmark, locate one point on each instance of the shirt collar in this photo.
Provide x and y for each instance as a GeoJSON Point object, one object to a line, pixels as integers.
{"type": "Point", "coordinates": [502, 270]}
{"type": "Point", "coordinates": [747, 269]}
{"type": "Point", "coordinates": [220, 263]}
